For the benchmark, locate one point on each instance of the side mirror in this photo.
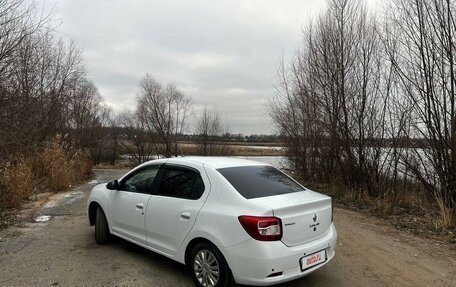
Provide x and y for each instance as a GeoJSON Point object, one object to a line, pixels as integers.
{"type": "Point", "coordinates": [113, 185]}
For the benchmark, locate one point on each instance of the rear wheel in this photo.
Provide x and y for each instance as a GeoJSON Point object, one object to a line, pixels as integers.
{"type": "Point", "coordinates": [101, 227]}
{"type": "Point", "coordinates": [209, 268]}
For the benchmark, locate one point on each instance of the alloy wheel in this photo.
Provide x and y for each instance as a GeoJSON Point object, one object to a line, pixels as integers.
{"type": "Point", "coordinates": [206, 268]}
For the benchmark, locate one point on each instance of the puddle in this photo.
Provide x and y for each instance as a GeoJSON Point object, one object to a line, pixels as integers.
{"type": "Point", "coordinates": [70, 201]}
{"type": "Point", "coordinates": [51, 204]}
{"type": "Point", "coordinates": [74, 194]}
{"type": "Point", "coordinates": [43, 218]}
{"type": "Point", "coordinates": [94, 182]}
{"type": "Point", "coordinates": [72, 197]}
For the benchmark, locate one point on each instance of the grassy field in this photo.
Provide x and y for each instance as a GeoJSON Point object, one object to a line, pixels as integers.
{"type": "Point", "coordinates": [237, 149]}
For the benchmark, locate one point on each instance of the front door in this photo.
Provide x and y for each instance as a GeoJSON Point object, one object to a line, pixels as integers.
{"type": "Point", "coordinates": [128, 205]}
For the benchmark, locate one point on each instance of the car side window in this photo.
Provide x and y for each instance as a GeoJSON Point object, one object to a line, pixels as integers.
{"type": "Point", "coordinates": [181, 183]}
{"type": "Point", "coordinates": [142, 181]}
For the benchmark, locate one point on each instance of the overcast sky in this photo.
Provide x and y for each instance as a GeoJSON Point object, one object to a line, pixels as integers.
{"type": "Point", "coordinates": [223, 53]}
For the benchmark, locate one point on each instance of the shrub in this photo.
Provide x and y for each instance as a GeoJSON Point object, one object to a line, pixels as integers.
{"type": "Point", "coordinates": [16, 181]}
{"type": "Point", "coordinates": [57, 168]}
{"type": "Point", "coordinates": [81, 164]}
{"type": "Point", "coordinates": [51, 167]}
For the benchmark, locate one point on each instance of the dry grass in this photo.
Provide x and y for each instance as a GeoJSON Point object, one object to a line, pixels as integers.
{"type": "Point", "coordinates": [51, 168]}
{"type": "Point", "coordinates": [119, 164]}
{"type": "Point", "coordinates": [227, 149]}
{"type": "Point", "coordinates": [440, 217]}
{"type": "Point", "coordinates": [406, 210]}
{"type": "Point", "coordinates": [82, 165]}
{"type": "Point", "coordinates": [213, 149]}
{"type": "Point", "coordinates": [252, 151]}
{"type": "Point", "coordinates": [16, 181]}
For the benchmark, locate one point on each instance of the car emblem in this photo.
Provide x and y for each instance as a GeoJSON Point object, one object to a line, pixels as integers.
{"type": "Point", "coordinates": [315, 224]}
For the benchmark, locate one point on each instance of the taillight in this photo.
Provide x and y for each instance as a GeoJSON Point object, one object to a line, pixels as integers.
{"type": "Point", "coordinates": [332, 211]}
{"type": "Point", "coordinates": [262, 228]}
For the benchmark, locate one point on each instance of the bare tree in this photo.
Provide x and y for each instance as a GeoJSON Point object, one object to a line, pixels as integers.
{"type": "Point", "coordinates": [328, 103]}
{"type": "Point", "coordinates": [34, 97]}
{"type": "Point", "coordinates": [43, 89]}
{"type": "Point", "coordinates": [18, 20]}
{"type": "Point", "coordinates": [164, 113]}
{"type": "Point", "coordinates": [84, 110]}
{"type": "Point", "coordinates": [137, 145]}
{"type": "Point", "coordinates": [208, 127]}
{"type": "Point", "coordinates": [421, 48]}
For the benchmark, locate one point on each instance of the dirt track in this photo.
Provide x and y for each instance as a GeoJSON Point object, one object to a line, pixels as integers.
{"type": "Point", "coordinates": [63, 252]}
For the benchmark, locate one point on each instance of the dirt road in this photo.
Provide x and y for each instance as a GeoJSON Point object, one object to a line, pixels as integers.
{"type": "Point", "coordinates": [62, 252]}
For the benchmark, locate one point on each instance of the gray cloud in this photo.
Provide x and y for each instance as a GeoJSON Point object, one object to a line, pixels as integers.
{"type": "Point", "coordinates": [223, 53]}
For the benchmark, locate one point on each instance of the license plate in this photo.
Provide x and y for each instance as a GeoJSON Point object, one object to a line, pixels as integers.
{"type": "Point", "coordinates": [313, 260]}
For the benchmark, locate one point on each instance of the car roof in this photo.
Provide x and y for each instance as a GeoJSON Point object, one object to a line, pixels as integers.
{"type": "Point", "coordinates": [216, 162]}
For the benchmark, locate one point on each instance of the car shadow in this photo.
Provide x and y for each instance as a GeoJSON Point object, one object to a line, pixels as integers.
{"type": "Point", "coordinates": [148, 255]}
{"type": "Point", "coordinates": [178, 269]}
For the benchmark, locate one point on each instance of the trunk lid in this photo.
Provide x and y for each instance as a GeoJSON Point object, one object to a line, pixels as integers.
{"type": "Point", "coordinates": [305, 215]}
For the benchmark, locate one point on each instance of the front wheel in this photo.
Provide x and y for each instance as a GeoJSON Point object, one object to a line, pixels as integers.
{"type": "Point", "coordinates": [101, 227]}
{"type": "Point", "coordinates": [209, 268]}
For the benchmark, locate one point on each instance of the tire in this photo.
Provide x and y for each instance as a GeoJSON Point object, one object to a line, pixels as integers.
{"type": "Point", "coordinates": [205, 260]}
{"type": "Point", "coordinates": [101, 227]}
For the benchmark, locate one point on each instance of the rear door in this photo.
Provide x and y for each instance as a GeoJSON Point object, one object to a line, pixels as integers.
{"type": "Point", "coordinates": [174, 206]}
{"type": "Point", "coordinates": [128, 205]}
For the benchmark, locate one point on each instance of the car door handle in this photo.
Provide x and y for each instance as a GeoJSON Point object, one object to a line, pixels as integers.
{"type": "Point", "coordinates": [185, 216]}
{"type": "Point", "coordinates": [140, 205]}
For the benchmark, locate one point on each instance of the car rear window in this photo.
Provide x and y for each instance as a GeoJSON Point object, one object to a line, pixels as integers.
{"type": "Point", "coordinates": [259, 181]}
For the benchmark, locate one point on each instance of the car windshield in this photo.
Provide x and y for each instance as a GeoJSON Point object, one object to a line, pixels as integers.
{"type": "Point", "coordinates": [259, 181]}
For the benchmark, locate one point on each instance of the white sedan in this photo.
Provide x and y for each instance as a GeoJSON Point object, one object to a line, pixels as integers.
{"type": "Point", "coordinates": [229, 220]}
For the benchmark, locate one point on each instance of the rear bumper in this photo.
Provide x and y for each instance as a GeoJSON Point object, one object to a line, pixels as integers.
{"type": "Point", "coordinates": [253, 261]}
